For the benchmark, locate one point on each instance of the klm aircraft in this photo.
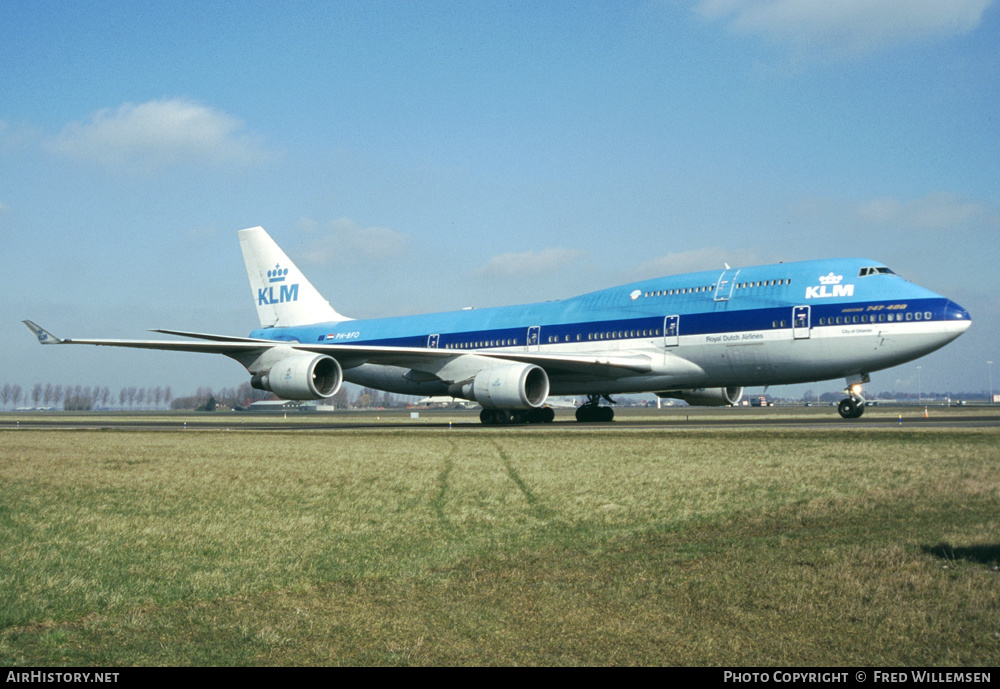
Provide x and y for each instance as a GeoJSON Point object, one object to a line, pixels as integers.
{"type": "Point", "coordinates": [700, 337]}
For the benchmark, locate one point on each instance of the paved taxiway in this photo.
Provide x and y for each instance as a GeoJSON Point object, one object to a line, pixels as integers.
{"type": "Point", "coordinates": [626, 420]}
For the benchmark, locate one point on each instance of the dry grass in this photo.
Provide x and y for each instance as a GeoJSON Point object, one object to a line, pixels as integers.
{"type": "Point", "coordinates": [423, 546]}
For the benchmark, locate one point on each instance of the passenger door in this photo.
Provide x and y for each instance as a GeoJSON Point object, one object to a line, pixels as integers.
{"type": "Point", "coordinates": [801, 326]}
{"type": "Point", "coordinates": [671, 331]}
{"type": "Point", "coordinates": [534, 338]}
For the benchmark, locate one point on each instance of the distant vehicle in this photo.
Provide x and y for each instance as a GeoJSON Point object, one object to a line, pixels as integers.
{"type": "Point", "coordinates": [699, 337]}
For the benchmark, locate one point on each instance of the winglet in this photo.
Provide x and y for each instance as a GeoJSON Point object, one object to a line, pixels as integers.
{"type": "Point", "coordinates": [43, 335]}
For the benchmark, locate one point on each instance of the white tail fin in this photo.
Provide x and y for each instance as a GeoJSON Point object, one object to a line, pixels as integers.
{"type": "Point", "coordinates": [283, 295]}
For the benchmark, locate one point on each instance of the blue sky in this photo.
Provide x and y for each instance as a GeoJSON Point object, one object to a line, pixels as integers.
{"type": "Point", "coordinates": [415, 156]}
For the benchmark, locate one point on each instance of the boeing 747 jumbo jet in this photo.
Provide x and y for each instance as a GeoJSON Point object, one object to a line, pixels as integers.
{"type": "Point", "coordinates": [700, 337]}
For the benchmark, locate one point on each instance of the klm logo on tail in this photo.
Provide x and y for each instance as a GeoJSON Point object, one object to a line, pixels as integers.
{"type": "Point", "coordinates": [284, 293]}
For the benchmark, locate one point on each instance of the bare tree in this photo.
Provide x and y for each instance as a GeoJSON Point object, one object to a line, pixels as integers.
{"type": "Point", "coordinates": [342, 400]}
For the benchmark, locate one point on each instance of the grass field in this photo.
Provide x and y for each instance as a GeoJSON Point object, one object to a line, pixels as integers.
{"type": "Point", "coordinates": [576, 545]}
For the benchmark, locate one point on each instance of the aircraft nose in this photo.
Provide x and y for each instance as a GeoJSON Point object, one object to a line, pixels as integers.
{"type": "Point", "coordinates": [957, 319]}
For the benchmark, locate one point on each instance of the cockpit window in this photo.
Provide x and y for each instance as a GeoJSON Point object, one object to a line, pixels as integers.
{"type": "Point", "coordinates": [874, 270]}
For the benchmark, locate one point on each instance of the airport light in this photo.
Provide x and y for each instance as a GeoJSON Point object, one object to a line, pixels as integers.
{"type": "Point", "coordinates": [991, 380]}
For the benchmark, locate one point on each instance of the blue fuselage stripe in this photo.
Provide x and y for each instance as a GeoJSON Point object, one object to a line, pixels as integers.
{"type": "Point", "coordinates": [689, 324]}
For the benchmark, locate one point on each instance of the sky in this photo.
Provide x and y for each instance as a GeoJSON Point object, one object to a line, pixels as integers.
{"type": "Point", "coordinates": [414, 157]}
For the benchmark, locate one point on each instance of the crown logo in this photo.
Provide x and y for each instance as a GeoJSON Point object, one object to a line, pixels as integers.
{"type": "Point", "coordinates": [277, 274]}
{"type": "Point", "coordinates": [831, 279]}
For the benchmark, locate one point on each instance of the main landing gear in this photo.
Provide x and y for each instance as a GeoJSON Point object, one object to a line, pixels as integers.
{"type": "Point", "coordinates": [492, 417]}
{"type": "Point", "coordinates": [591, 411]}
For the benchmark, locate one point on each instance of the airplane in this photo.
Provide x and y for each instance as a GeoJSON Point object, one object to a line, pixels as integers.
{"type": "Point", "coordinates": [700, 337]}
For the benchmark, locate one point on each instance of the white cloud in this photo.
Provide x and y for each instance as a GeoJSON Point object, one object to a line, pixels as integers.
{"type": "Point", "coordinates": [529, 263]}
{"type": "Point", "coordinates": [847, 26]}
{"type": "Point", "coordinates": [158, 134]}
{"type": "Point", "coordinates": [938, 211]}
{"type": "Point", "coordinates": [343, 241]}
{"type": "Point", "coordinates": [697, 260]}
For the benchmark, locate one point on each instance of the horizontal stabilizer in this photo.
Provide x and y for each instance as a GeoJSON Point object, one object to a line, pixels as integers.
{"type": "Point", "coordinates": [209, 336]}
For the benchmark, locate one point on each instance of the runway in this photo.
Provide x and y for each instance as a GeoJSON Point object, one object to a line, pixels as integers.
{"type": "Point", "coordinates": [626, 419]}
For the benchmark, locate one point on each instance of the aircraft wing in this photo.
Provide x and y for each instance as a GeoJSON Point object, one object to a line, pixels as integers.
{"type": "Point", "coordinates": [608, 365]}
{"type": "Point", "coordinates": [218, 345]}
{"type": "Point", "coordinates": [367, 354]}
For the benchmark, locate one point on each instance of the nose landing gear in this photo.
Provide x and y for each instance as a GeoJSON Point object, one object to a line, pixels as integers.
{"type": "Point", "coordinates": [853, 406]}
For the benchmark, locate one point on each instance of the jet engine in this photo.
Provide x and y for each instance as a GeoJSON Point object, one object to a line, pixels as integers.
{"type": "Point", "coordinates": [706, 397]}
{"type": "Point", "coordinates": [517, 386]}
{"type": "Point", "coordinates": [301, 377]}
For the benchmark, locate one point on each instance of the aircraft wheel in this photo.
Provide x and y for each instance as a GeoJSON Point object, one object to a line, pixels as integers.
{"type": "Point", "coordinates": [850, 408]}
{"type": "Point", "coordinates": [594, 414]}
{"type": "Point", "coordinates": [494, 417]}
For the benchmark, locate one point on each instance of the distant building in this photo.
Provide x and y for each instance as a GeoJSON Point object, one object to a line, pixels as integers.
{"type": "Point", "coordinates": [276, 405]}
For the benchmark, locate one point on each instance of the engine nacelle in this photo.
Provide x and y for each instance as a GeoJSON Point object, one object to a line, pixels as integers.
{"type": "Point", "coordinates": [301, 377]}
{"type": "Point", "coordinates": [516, 386]}
{"type": "Point", "coordinates": [706, 397]}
